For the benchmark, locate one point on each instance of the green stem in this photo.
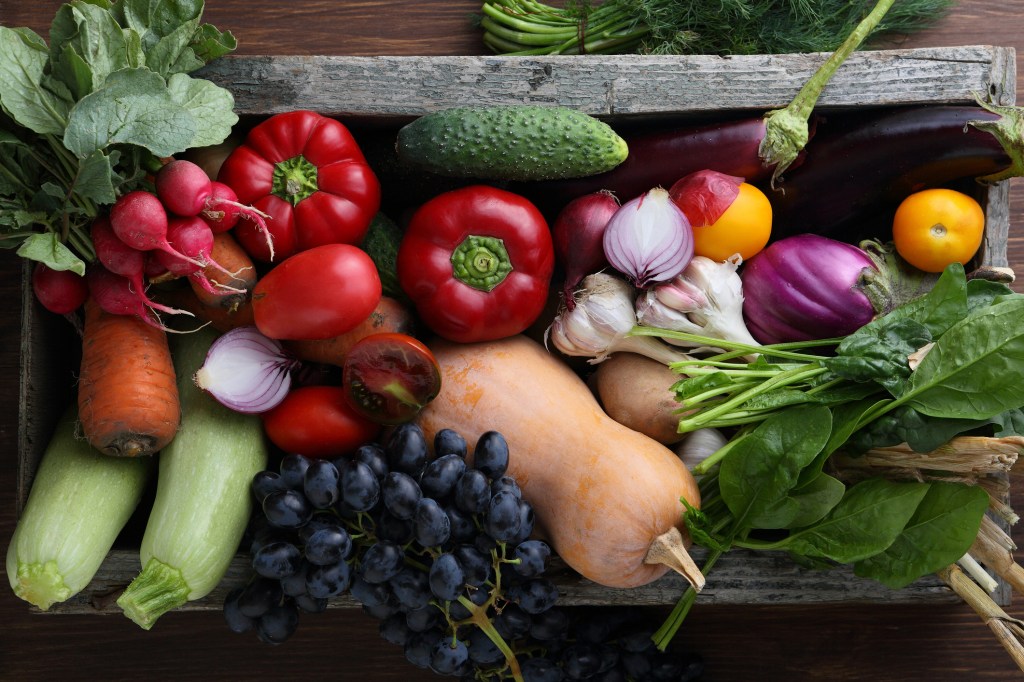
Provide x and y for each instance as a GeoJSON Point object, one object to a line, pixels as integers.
{"type": "Point", "coordinates": [155, 591]}
{"type": "Point", "coordinates": [663, 635]}
{"type": "Point", "coordinates": [479, 618]}
{"type": "Point", "coordinates": [786, 130]}
{"type": "Point", "coordinates": [777, 350]}
{"type": "Point", "coordinates": [717, 456]}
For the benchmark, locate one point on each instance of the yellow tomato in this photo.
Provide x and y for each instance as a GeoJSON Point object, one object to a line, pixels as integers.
{"type": "Point", "coordinates": [744, 228]}
{"type": "Point", "coordinates": [936, 227]}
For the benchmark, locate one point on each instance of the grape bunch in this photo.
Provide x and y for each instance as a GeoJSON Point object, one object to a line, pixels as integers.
{"type": "Point", "coordinates": [439, 552]}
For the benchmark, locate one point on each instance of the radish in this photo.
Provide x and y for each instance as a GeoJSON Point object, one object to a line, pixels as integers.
{"type": "Point", "coordinates": [186, 190]}
{"type": "Point", "coordinates": [121, 259]}
{"type": "Point", "coordinates": [140, 221]}
{"type": "Point", "coordinates": [193, 237]}
{"type": "Point", "coordinates": [115, 294]}
{"type": "Point", "coordinates": [227, 213]}
{"type": "Point", "coordinates": [59, 291]}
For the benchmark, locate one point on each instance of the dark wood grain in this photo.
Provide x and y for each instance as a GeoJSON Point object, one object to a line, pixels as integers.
{"type": "Point", "coordinates": [848, 642]}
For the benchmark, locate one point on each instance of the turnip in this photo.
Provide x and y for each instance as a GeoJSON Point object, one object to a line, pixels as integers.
{"type": "Point", "coordinates": [186, 190]}
{"type": "Point", "coordinates": [140, 221]}
{"type": "Point", "coordinates": [59, 291]}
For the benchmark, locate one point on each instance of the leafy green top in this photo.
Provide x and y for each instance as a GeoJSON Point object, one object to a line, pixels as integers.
{"type": "Point", "coordinates": [84, 118]}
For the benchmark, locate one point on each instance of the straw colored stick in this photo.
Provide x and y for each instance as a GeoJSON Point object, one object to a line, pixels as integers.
{"type": "Point", "coordinates": [1009, 631]}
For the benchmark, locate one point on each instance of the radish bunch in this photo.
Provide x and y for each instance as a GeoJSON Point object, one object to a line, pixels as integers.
{"type": "Point", "coordinates": [151, 236]}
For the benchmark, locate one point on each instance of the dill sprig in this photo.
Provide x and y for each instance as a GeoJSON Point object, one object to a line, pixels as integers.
{"type": "Point", "coordinates": [723, 27]}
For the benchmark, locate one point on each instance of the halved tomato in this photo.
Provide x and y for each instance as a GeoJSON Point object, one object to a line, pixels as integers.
{"type": "Point", "coordinates": [390, 377]}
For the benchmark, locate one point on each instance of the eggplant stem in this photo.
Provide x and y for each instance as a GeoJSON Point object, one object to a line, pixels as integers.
{"type": "Point", "coordinates": [669, 549]}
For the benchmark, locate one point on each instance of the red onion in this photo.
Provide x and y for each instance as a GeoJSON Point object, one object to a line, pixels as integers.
{"type": "Point", "coordinates": [578, 232]}
{"type": "Point", "coordinates": [705, 195]}
{"type": "Point", "coordinates": [246, 371]}
{"type": "Point", "coordinates": [807, 287]}
{"type": "Point", "coordinates": [649, 239]}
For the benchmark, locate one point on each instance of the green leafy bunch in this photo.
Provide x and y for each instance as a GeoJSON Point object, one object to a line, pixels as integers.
{"type": "Point", "coordinates": [84, 118]}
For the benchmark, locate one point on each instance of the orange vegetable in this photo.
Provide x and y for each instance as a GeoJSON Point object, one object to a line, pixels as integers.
{"type": "Point", "coordinates": [236, 275]}
{"type": "Point", "coordinates": [221, 319]}
{"type": "Point", "coordinates": [936, 227]}
{"type": "Point", "coordinates": [606, 498]}
{"type": "Point", "coordinates": [127, 393]}
{"type": "Point", "coordinates": [390, 316]}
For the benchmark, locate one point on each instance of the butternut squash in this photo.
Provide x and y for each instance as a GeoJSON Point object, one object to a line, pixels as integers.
{"type": "Point", "coordinates": [606, 498]}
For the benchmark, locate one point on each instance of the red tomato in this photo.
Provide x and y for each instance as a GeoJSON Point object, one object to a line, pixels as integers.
{"type": "Point", "coordinates": [390, 377]}
{"type": "Point", "coordinates": [316, 294]}
{"type": "Point", "coordinates": [317, 421]}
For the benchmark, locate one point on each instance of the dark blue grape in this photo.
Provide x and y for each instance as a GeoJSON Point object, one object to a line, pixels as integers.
{"type": "Point", "coordinates": [503, 519]}
{"type": "Point", "coordinates": [552, 624]}
{"type": "Point", "coordinates": [293, 470]}
{"type": "Point", "coordinates": [637, 642]}
{"type": "Point", "coordinates": [321, 483]}
{"type": "Point", "coordinates": [541, 670]}
{"type": "Point", "coordinates": [381, 562]}
{"type": "Point", "coordinates": [420, 647]}
{"type": "Point", "coordinates": [360, 488]}
{"type": "Point", "coordinates": [449, 442]}
{"type": "Point", "coordinates": [411, 587]}
{"type": "Point", "coordinates": [485, 543]}
{"type": "Point", "coordinates": [581, 660]}
{"type": "Point", "coordinates": [506, 484]}
{"type": "Point", "coordinates": [490, 455]}
{"type": "Point", "coordinates": [513, 622]}
{"type": "Point", "coordinates": [369, 594]}
{"type": "Point", "coordinates": [372, 455]}
{"type": "Point", "coordinates": [527, 518]}
{"type": "Point", "coordinates": [278, 623]}
{"type": "Point", "coordinates": [259, 596]}
{"type": "Point", "coordinates": [406, 450]}
{"type": "Point", "coordinates": [295, 584]}
{"type": "Point", "coordinates": [472, 492]}
{"type": "Point", "coordinates": [393, 529]}
{"type": "Point", "coordinates": [431, 523]}
{"type": "Point", "coordinates": [534, 595]}
{"type": "Point", "coordinates": [328, 545]}
{"type": "Point", "coordinates": [401, 494]}
{"type": "Point", "coordinates": [424, 618]}
{"type": "Point", "coordinates": [266, 482]}
{"type": "Point", "coordinates": [461, 525]}
{"type": "Point", "coordinates": [440, 476]}
{"type": "Point", "coordinates": [394, 629]}
{"type": "Point", "coordinates": [316, 522]}
{"type": "Point", "coordinates": [448, 656]}
{"type": "Point", "coordinates": [323, 582]}
{"type": "Point", "coordinates": [532, 556]}
{"type": "Point", "coordinates": [476, 565]}
{"type": "Point", "coordinates": [615, 674]}
{"type": "Point", "coordinates": [382, 611]}
{"type": "Point", "coordinates": [636, 666]}
{"type": "Point", "coordinates": [310, 604]}
{"type": "Point", "coordinates": [482, 651]}
{"type": "Point", "coordinates": [447, 581]}
{"type": "Point", "coordinates": [287, 509]}
{"type": "Point", "coordinates": [266, 534]}
{"type": "Point", "coordinates": [277, 560]}
{"type": "Point", "coordinates": [666, 667]}
{"type": "Point", "coordinates": [236, 620]}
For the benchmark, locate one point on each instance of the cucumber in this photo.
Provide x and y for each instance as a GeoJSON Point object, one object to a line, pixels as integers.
{"type": "Point", "coordinates": [203, 499]}
{"type": "Point", "coordinates": [80, 501]}
{"type": "Point", "coordinates": [381, 244]}
{"type": "Point", "coordinates": [513, 142]}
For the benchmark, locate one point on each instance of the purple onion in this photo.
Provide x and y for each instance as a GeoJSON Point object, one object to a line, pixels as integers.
{"type": "Point", "coordinates": [804, 288]}
{"type": "Point", "coordinates": [246, 371]}
{"type": "Point", "coordinates": [649, 239]}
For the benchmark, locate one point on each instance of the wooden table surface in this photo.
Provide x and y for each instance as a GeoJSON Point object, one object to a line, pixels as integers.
{"type": "Point", "coordinates": [845, 642]}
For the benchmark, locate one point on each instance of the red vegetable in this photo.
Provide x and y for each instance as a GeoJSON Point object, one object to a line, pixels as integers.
{"type": "Point", "coordinates": [59, 291]}
{"type": "Point", "coordinates": [317, 421]}
{"type": "Point", "coordinates": [390, 377]}
{"type": "Point", "coordinates": [308, 173]}
{"type": "Point", "coordinates": [316, 294]}
{"type": "Point", "coordinates": [477, 263]}
{"type": "Point", "coordinates": [578, 235]}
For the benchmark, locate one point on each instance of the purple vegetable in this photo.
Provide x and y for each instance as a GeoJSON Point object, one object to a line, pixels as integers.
{"type": "Point", "coordinates": [578, 235]}
{"type": "Point", "coordinates": [807, 287]}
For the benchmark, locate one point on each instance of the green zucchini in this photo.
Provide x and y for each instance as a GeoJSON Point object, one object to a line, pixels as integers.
{"type": "Point", "coordinates": [512, 142]}
{"type": "Point", "coordinates": [203, 500]}
{"type": "Point", "coordinates": [80, 501]}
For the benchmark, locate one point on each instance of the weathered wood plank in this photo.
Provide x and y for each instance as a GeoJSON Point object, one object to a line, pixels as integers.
{"type": "Point", "coordinates": [609, 86]}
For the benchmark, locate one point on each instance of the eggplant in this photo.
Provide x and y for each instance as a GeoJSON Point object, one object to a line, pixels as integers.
{"type": "Point", "coordinates": [858, 167]}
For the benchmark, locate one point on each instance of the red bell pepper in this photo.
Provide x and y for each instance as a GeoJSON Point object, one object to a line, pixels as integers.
{"type": "Point", "coordinates": [477, 262]}
{"type": "Point", "coordinates": [307, 172]}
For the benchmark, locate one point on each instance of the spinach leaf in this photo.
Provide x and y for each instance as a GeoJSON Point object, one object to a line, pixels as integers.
{"type": "Point", "coordinates": [25, 94]}
{"type": "Point", "coordinates": [968, 373]}
{"type": "Point", "coordinates": [982, 293]}
{"type": "Point", "coordinates": [765, 465]}
{"type": "Point", "coordinates": [880, 353]}
{"type": "Point", "coordinates": [920, 431]}
{"type": "Point", "coordinates": [804, 505]}
{"type": "Point", "coordinates": [866, 521]}
{"type": "Point", "coordinates": [942, 529]}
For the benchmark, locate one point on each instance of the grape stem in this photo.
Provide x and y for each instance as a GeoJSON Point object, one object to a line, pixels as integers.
{"type": "Point", "coordinates": [478, 617]}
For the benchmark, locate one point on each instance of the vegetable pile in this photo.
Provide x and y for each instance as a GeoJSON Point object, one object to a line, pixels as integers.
{"type": "Point", "coordinates": [585, 351]}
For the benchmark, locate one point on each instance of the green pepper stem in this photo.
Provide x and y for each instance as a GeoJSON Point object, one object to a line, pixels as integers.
{"type": "Point", "coordinates": [481, 262]}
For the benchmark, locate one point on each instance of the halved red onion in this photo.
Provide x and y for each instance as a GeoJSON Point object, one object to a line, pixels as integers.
{"type": "Point", "coordinates": [246, 371]}
{"type": "Point", "coordinates": [649, 239]}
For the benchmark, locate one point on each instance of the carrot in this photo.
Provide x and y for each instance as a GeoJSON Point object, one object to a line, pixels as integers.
{"type": "Point", "coordinates": [231, 273]}
{"type": "Point", "coordinates": [389, 316]}
{"type": "Point", "coordinates": [220, 318]}
{"type": "Point", "coordinates": [127, 392]}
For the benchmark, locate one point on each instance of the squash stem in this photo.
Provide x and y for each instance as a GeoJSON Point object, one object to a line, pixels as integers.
{"type": "Point", "coordinates": [41, 584]}
{"type": "Point", "coordinates": [669, 549]}
{"type": "Point", "coordinates": [155, 591]}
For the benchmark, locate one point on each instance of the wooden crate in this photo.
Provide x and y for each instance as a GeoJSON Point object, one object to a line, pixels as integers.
{"type": "Point", "coordinates": [383, 92]}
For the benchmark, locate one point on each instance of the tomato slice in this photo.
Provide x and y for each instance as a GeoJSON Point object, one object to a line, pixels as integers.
{"type": "Point", "coordinates": [390, 377]}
